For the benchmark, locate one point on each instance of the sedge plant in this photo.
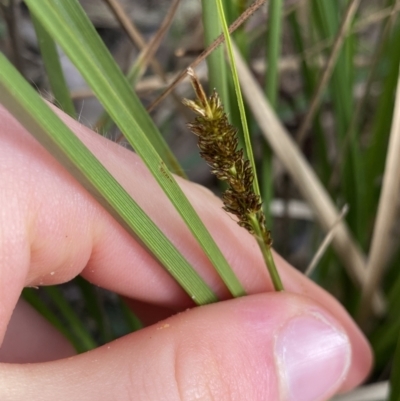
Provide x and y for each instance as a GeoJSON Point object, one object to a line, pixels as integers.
{"type": "Point", "coordinates": [347, 139]}
{"type": "Point", "coordinates": [218, 144]}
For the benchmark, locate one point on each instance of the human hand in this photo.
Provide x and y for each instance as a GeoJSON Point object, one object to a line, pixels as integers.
{"type": "Point", "coordinates": [296, 345]}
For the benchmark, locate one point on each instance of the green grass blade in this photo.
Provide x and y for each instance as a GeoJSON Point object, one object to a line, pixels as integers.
{"type": "Point", "coordinates": [132, 321]}
{"type": "Point", "coordinates": [249, 149]}
{"type": "Point", "coordinates": [376, 153]}
{"type": "Point", "coordinates": [265, 248]}
{"type": "Point", "coordinates": [95, 308]}
{"type": "Point", "coordinates": [78, 329]}
{"type": "Point", "coordinates": [53, 68]}
{"type": "Point", "coordinates": [26, 105]}
{"type": "Point", "coordinates": [217, 68]}
{"type": "Point", "coordinates": [327, 16]}
{"type": "Point", "coordinates": [395, 375]}
{"type": "Point", "coordinates": [308, 75]}
{"type": "Point", "coordinates": [31, 295]}
{"type": "Point", "coordinates": [271, 89]}
{"type": "Point", "coordinates": [71, 28]}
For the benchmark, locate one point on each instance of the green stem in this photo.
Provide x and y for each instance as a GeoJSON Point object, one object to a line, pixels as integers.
{"type": "Point", "coordinates": [216, 64]}
{"type": "Point", "coordinates": [242, 111]}
{"type": "Point", "coordinates": [267, 254]}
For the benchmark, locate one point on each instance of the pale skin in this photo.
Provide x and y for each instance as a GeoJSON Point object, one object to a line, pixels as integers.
{"type": "Point", "coordinates": [51, 230]}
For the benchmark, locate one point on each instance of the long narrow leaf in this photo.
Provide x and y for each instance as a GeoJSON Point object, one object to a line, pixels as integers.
{"type": "Point", "coordinates": [395, 376]}
{"type": "Point", "coordinates": [217, 69]}
{"type": "Point", "coordinates": [71, 28]}
{"type": "Point", "coordinates": [31, 295]}
{"type": "Point", "coordinates": [78, 329]}
{"type": "Point", "coordinates": [53, 68]}
{"type": "Point", "coordinates": [26, 105]}
{"type": "Point", "coordinates": [249, 149]}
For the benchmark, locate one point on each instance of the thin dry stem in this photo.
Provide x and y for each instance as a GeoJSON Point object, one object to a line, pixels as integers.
{"type": "Point", "coordinates": [325, 243]}
{"type": "Point", "coordinates": [133, 33]}
{"type": "Point", "coordinates": [149, 51]}
{"type": "Point", "coordinates": [235, 25]}
{"type": "Point", "coordinates": [303, 175]}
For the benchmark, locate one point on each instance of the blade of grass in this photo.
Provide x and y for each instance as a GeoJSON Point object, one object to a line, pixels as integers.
{"type": "Point", "coordinates": [67, 23]}
{"type": "Point", "coordinates": [233, 9]}
{"type": "Point", "coordinates": [360, 106]}
{"type": "Point", "coordinates": [217, 71]}
{"type": "Point", "coordinates": [77, 328]}
{"type": "Point", "coordinates": [245, 128]}
{"type": "Point", "coordinates": [378, 141]}
{"type": "Point", "coordinates": [31, 111]}
{"type": "Point", "coordinates": [53, 68]}
{"type": "Point", "coordinates": [265, 248]}
{"type": "Point", "coordinates": [131, 319]}
{"type": "Point", "coordinates": [308, 75]}
{"type": "Point", "coordinates": [395, 375]}
{"type": "Point", "coordinates": [95, 308]}
{"type": "Point", "coordinates": [384, 339]}
{"type": "Point", "coordinates": [302, 174]}
{"type": "Point", "coordinates": [31, 295]}
{"type": "Point", "coordinates": [352, 182]}
{"type": "Point", "coordinates": [382, 234]}
{"type": "Point", "coordinates": [326, 75]}
{"type": "Point", "coordinates": [385, 335]}
{"type": "Point", "coordinates": [71, 28]}
{"type": "Point", "coordinates": [273, 42]}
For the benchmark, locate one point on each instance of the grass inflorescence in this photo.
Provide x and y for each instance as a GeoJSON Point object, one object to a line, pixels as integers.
{"type": "Point", "coordinates": [218, 144]}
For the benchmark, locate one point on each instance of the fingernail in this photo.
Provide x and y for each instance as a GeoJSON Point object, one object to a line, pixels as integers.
{"type": "Point", "coordinates": [313, 358]}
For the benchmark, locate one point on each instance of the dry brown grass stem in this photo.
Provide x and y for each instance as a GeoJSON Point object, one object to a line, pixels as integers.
{"type": "Point", "coordinates": [303, 175]}
{"type": "Point", "coordinates": [148, 52]}
{"type": "Point", "coordinates": [376, 17]}
{"type": "Point", "coordinates": [382, 236]}
{"type": "Point", "coordinates": [232, 28]}
{"type": "Point", "coordinates": [324, 79]}
{"type": "Point", "coordinates": [326, 242]}
{"type": "Point", "coordinates": [133, 33]}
